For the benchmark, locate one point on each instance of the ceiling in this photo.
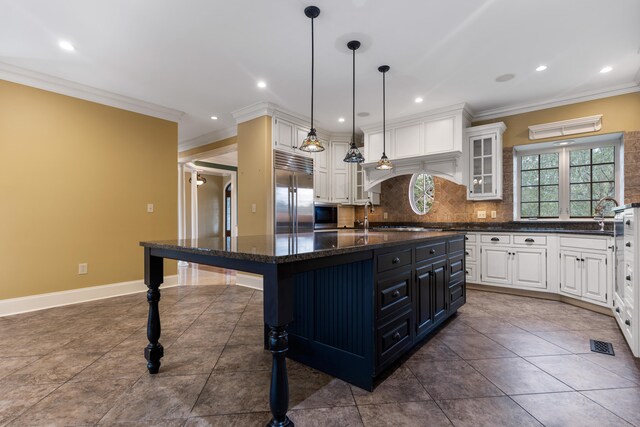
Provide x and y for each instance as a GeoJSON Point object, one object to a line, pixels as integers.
{"type": "Point", "coordinates": [204, 57]}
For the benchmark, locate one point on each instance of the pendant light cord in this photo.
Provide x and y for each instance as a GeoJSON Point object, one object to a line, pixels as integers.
{"type": "Point", "coordinates": [384, 121]}
{"type": "Point", "coordinates": [353, 122]}
{"type": "Point", "coordinates": [312, 67]}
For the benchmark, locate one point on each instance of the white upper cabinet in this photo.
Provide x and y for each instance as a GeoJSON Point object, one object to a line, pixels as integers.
{"type": "Point", "coordinates": [484, 180]}
{"type": "Point", "coordinates": [373, 147]}
{"type": "Point", "coordinates": [440, 136]}
{"type": "Point", "coordinates": [340, 173]}
{"type": "Point", "coordinates": [284, 135]}
{"type": "Point", "coordinates": [408, 142]}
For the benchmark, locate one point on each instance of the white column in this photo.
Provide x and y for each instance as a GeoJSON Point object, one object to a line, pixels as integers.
{"type": "Point", "coordinates": [182, 225]}
{"type": "Point", "coordinates": [194, 204]}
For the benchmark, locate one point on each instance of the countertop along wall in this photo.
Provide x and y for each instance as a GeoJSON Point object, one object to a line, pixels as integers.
{"type": "Point", "coordinates": [75, 180]}
{"type": "Point", "coordinates": [620, 114]}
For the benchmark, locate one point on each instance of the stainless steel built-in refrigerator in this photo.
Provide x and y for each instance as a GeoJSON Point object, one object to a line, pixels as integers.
{"type": "Point", "coordinates": [293, 193]}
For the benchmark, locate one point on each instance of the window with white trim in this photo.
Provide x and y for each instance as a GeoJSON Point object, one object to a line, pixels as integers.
{"type": "Point", "coordinates": [565, 180]}
{"type": "Point", "coordinates": [421, 193]}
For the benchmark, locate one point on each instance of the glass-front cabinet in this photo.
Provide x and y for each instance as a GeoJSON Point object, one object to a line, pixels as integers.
{"type": "Point", "coordinates": [485, 161]}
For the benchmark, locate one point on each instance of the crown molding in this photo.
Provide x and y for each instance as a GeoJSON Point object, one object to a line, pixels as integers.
{"type": "Point", "coordinates": [88, 93]}
{"type": "Point", "coordinates": [558, 102]}
{"type": "Point", "coordinates": [254, 111]}
{"type": "Point", "coordinates": [434, 114]}
{"type": "Point", "coordinates": [208, 138]}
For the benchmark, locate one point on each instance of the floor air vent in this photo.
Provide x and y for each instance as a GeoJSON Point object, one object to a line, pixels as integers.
{"type": "Point", "coordinates": [602, 347]}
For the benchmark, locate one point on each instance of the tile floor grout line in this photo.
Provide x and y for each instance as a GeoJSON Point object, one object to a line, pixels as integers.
{"type": "Point", "coordinates": [603, 407]}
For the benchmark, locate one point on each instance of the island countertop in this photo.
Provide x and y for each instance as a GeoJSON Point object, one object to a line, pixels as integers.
{"type": "Point", "coordinates": [283, 248]}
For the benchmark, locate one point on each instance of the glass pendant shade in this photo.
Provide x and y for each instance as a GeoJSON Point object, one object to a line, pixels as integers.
{"type": "Point", "coordinates": [384, 163]}
{"type": "Point", "coordinates": [353, 154]}
{"type": "Point", "coordinates": [200, 180]}
{"type": "Point", "coordinates": [312, 144]}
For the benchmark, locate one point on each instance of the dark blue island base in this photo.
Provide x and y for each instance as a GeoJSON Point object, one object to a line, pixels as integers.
{"type": "Point", "coordinates": [348, 303]}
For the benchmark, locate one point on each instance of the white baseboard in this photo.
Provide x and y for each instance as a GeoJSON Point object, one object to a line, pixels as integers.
{"type": "Point", "coordinates": [74, 296]}
{"type": "Point", "coordinates": [253, 281]}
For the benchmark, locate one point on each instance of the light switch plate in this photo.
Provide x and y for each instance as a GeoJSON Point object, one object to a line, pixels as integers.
{"type": "Point", "coordinates": [253, 207]}
{"type": "Point", "coordinates": [494, 214]}
{"type": "Point", "coordinates": [482, 214]}
{"type": "Point", "coordinates": [83, 268]}
{"type": "Point", "coordinates": [385, 215]}
{"type": "Point", "coordinates": [150, 207]}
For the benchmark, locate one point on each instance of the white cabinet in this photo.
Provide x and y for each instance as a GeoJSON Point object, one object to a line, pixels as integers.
{"type": "Point", "coordinates": [321, 174]}
{"type": "Point", "coordinates": [471, 257]}
{"type": "Point", "coordinates": [517, 267]}
{"type": "Point", "coordinates": [485, 161]}
{"type": "Point", "coordinates": [586, 268]}
{"type": "Point", "coordinates": [358, 195]}
{"type": "Point", "coordinates": [439, 136]}
{"type": "Point", "coordinates": [372, 150]}
{"type": "Point", "coordinates": [407, 142]}
{"type": "Point", "coordinates": [340, 173]}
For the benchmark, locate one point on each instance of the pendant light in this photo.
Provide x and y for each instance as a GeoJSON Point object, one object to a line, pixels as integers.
{"type": "Point", "coordinates": [384, 163]}
{"type": "Point", "coordinates": [312, 143]}
{"type": "Point", "coordinates": [353, 154]}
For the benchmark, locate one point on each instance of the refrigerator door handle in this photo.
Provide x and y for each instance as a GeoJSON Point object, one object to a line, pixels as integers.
{"type": "Point", "coordinates": [295, 203]}
{"type": "Point", "coordinates": [291, 212]}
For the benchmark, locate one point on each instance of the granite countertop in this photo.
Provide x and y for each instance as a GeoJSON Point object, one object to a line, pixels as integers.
{"type": "Point", "coordinates": [562, 227]}
{"type": "Point", "coordinates": [283, 248]}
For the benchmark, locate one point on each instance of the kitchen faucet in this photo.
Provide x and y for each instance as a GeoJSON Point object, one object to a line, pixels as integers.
{"type": "Point", "coordinates": [366, 214]}
{"type": "Point", "coordinates": [599, 210]}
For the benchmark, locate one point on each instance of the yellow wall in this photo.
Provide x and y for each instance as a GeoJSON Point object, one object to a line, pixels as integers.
{"type": "Point", "coordinates": [208, 147]}
{"type": "Point", "coordinates": [255, 177]}
{"type": "Point", "coordinates": [620, 113]}
{"type": "Point", "coordinates": [75, 179]}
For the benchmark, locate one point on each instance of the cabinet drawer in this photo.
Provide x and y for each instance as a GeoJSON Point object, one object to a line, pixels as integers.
{"type": "Point", "coordinates": [495, 239]}
{"type": "Point", "coordinates": [471, 238]}
{"type": "Point", "coordinates": [471, 253]}
{"type": "Point", "coordinates": [530, 240]}
{"type": "Point", "coordinates": [394, 293]}
{"type": "Point", "coordinates": [394, 260]}
{"type": "Point", "coordinates": [471, 271]}
{"type": "Point", "coordinates": [432, 250]}
{"type": "Point", "coordinates": [394, 337]}
{"type": "Point", "coordinates": [456, 268]}
{"type": "Point", "coordinates": [628, 221]}
{"type": "Point", "coordinates": [583, 243]}
{"type": "Point", "coordinates": [456, 295]}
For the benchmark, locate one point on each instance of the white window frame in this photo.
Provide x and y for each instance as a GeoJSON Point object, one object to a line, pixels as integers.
{"type": "Point", "coordinates": [615, 140]}
{"type": "Point", "coordinates": [411, 184]}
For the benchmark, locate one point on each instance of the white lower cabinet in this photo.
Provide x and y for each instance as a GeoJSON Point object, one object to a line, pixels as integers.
{"type": "Point", "coordinates": [578, 266]}
{"type": "Point", "coordinates": [518, 267]}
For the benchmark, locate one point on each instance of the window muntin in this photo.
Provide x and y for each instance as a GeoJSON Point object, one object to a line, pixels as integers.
{"type": "Point", "coordinates": [586, 173]}
{"type": "Point", "coordinates": [421, 193]}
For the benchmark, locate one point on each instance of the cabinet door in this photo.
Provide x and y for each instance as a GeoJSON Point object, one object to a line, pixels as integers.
{"type": "Point", "coordinates": [373, 149]}
{"type": "Point", "coordinates": [321, 159]}
{"type": "Point", "coordinates": [571, 272]}
{"type": "Point", "coordinates": [482, 164]}
{"type": "Point", "coordinates": [424, 299]}
{"type": "Point", "coordinates": [530, 268]}
{"type": "Point", "coordinates": [441, 290]}
{"type": "Point", "coordinates": [594, 276]}
{"type": "Point", "coordinates": [495, 265]}
{"type": "Point", "coordinates": [321, 185]}
{"type": "Point", "coordinates": [439, 136]}
{"type": "Point", "coordinates": [407, 141]}
{"type": "Point", "coordinates": [339, 173]}
{"type": "Point", "coordinates": [284, 135]}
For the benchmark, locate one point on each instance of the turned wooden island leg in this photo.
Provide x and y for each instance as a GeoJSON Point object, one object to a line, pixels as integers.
{"type": "Point", "coordinates": [278, 312]}
{"type": "Point", "coordinates": [153, 277]}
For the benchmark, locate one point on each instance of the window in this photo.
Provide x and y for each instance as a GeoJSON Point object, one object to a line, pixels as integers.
{"type": "Point", "coordinates": [421, 193]}
{"type": "Point", "coordinates": [567, 182]}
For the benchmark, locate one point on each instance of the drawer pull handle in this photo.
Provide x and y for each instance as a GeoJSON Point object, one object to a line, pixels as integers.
{"type": "Point", "coordinates": [628, 277]}
{"type": "Point", "coordinates": [617, 309]}
{"type": "Point", "coordinates": [628, 222]}
{"type": "Point", "coordinates": [396, 336]}
{"type": "Point", "coordinates": [529, 240]}
{"type": "Point", "coordinates": [395, 294]}
{"type": "Point", "coordinates": [466, 272]}
{"type": "Point", "coordinates": [628, 244]}
{"type": "Point", "coordinates": [466, 238]}
{"type": "Point", "coordinates": [395, 260]}
{"type": "Point", "coordinates": [466, 253]}
{"type": "Point", "coordinates": [432, 251]}
{"type": "Point", "coordinates": [495, 239]}
{"type": "Point", "coordinates": [627, 322]}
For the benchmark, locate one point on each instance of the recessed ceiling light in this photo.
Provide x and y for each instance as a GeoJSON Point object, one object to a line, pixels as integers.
{"type": "Point", "coordinates": [606, 69]}
{"type": "Point", "coordinates": [505, 78]}
{"type": "Point", "coordinates": [214, 117]}
{"type": "Point", "coordinates": [418, 100]}
{"type": "Point", "coordinates": [541, 68]}
{"type": "Point", "coordinates": [341, 119]}
{"type": "Point", "coordinates": [65, 45]}
{"type": "Point", "coordinates": [262, 84]}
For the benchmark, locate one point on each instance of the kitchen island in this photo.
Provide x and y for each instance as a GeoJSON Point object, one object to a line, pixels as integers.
{"type": "Point", "coordinates": [348, 302]}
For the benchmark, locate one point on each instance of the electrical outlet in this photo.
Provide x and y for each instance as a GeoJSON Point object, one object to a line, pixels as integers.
{"type": "Point", "coordinates": [83, 268]}
{"type": "Point", "coordinates": [494, 214]}
{"type": "Point", "coordinates": [385, 215]}
{"type": "Point", "coordinates": [150, 207]}
{"type": "Point", "coordinates": [482, 214]}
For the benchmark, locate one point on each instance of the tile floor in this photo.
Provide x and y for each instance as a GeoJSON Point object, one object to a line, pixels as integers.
{"type": "Point", "coordinates": [502, 361]}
